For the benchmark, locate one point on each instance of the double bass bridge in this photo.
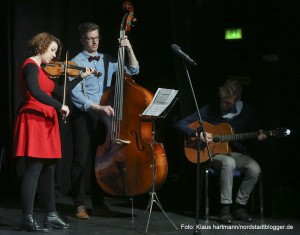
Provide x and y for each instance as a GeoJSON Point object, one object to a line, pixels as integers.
{"type": "Point", "coordinates": [119, 141]}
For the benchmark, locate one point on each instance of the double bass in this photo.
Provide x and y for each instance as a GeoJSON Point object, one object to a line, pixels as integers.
{"type": "Point", "coordinates": [123, 164]}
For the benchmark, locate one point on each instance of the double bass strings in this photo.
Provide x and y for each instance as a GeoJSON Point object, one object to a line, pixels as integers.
{"type": "Point", "coordinates": [118, 98]}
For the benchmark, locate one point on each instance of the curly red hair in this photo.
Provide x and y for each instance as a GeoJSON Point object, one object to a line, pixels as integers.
{"type": "Point", "coordinates": [41, 42]}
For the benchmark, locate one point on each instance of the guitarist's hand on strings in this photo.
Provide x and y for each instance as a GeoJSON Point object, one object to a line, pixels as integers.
{"type": "Point", "coordinates": [261, 135]}
{"type": "Point", "coordinates": [208, 136]}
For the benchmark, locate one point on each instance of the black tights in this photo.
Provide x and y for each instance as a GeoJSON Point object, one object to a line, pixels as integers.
{"type": "Point", "coordinates": [38, 172]}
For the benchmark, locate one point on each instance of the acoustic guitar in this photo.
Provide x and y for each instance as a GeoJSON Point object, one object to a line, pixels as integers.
{"type": "Point", "coordinates": [221, 135]}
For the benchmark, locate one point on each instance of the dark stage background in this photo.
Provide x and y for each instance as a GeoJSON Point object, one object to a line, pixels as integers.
{"type": "Point", "coordinates": [266, 60]}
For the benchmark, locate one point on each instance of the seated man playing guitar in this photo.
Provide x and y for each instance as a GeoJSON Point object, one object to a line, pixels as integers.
{"type": "Point", "coordinates": [241, 117]}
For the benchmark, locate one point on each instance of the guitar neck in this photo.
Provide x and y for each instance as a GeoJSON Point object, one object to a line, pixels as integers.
{"type": "Point", "coordinates": [221, 135]}
{"type": "Point", "coordinates": [241, 136]}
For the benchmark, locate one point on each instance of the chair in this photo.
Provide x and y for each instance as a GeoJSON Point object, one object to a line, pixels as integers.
{"type": "Point", "coordinates": [236, 174]}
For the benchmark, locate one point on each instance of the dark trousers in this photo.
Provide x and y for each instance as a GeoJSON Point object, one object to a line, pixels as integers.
{"type": "Point", "coordinates": [86, 128]}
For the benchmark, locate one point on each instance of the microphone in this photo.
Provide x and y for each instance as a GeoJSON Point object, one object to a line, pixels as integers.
{"type": "Point", "coordinates": [177, 50]}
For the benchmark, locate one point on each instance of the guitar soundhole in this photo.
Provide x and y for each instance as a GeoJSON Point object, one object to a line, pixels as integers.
{"type": "Point", "coordinates": [216, 139]}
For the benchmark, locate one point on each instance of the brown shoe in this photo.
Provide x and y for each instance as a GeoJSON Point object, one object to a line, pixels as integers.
{"type": "Point", "coordinates": [103, 211]}
{"type": "Point", "coordinates": [81, 212]}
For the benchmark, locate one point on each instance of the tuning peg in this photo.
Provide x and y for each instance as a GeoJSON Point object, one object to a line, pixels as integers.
{"type": "Point", "coordinates": [287, 132]}
{"type": "Point", "coordinates": [132, 25]}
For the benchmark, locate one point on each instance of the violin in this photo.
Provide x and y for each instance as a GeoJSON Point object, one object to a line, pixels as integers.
{"type": "Point", "coordinates": [57, 68]}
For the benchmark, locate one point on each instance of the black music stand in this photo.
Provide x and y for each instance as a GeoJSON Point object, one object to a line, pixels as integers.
{"type": "Point", "coordinates": [153, 113]}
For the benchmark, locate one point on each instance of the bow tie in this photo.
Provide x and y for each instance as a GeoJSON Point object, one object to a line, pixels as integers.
{"type": "Point", "coordinates": [91, 58]}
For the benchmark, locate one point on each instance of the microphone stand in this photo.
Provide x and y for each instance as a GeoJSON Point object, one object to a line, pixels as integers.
{"type": "Point", "coordinates": [201, 129]}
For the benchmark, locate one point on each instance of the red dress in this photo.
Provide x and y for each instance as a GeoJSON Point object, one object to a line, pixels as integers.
{"type": "Point", "coordinates": [37, 129]}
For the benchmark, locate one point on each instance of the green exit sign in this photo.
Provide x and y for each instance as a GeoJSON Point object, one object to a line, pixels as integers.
{"type": "Point", "coordinates": [233, 34]}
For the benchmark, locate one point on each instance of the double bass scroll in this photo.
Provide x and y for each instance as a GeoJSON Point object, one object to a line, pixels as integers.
{"type": "Point", "coordinates": [123, 164]}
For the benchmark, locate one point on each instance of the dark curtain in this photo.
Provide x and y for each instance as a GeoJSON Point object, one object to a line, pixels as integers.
{"type": "Point", "coordinates": [266, 60]}
{"type": "Point", "coordinates": [24, 19]}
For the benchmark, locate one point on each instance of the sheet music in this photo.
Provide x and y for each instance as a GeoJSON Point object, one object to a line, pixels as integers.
{"type": "Point", "coordinates": [162, 99]}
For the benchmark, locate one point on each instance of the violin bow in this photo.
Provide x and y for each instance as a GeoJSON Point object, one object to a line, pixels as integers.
{"type": "Point", "coordinates": [65, 82]}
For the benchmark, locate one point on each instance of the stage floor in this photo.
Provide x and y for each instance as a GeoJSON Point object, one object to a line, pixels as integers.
{"type": "Point", "coordinates": [172, 222]}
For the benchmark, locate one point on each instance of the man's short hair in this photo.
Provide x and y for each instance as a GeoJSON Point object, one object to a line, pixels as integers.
{"type": "Point", "coordinates": [86, 27]}
{"type": "Point", "coordinates": [231, 88]}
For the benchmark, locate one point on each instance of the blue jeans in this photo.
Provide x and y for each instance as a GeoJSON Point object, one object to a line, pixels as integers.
{"type": "Point", "coordinates": [250, 172]}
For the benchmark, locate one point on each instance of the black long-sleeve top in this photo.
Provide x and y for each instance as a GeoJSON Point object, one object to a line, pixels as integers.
{"type": "Point", "coordinates": [30, 75]}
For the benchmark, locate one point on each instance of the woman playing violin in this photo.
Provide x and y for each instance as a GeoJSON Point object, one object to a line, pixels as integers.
{"type": "Point", "coordinates": [36, 136]}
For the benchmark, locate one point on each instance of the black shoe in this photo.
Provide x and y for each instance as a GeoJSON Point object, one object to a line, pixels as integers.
{"type": "Point", "coordinates": [53, 220]}
{"type": "Point", "coordinates": [225, 216]}
{"type": "Point", "coordinates": [225, 219]}
{"type": "Point", "coordinates": [241, 214]}
{"type": "Point", "coordinates": [103, 211]}
{"type": "Point", "coordinates": [30, 224]}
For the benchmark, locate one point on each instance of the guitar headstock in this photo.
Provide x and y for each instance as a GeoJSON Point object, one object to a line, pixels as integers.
{"type": "Point", "coordinates": [280, 132]}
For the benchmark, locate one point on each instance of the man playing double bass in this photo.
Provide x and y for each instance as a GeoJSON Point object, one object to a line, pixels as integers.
{"type": "Point", "coordinates": [86, 120]}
